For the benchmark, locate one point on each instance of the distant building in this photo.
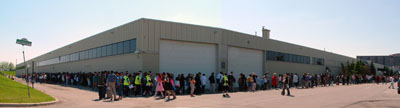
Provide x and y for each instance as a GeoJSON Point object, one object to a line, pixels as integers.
{"type": "Point", "coordinates": [390, 60]}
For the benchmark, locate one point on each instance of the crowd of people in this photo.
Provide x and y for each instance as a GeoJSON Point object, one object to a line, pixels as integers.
{"type": "Point", "coordinates": [115, 85]}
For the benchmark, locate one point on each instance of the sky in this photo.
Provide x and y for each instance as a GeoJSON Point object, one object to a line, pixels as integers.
{"type": "Point", "coordinates": [346, 27]}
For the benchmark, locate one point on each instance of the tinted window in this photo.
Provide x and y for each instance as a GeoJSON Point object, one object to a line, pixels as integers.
{"type": "Point", "coordinates": [93, 52]}
{"type": "Point", "coordinates": [103, 51]}
{"type": "Point", "coordinates": [120, 48]}
{"type": "Point", "coordinates": [109, 50]}
{"type": "Point", "coordinates": [133, 45]}
{"type": "Point", "coordinates": [86, 54]}
{"type": "Point", "coordinates": [81, 55]}
{"type": "Point", "coordinates": [114, 49]}
{"type": "Point", "coordinates": [90, 55]}
{"type": "Point", "coordinates": [98, 52]}
{"type": "Point", "coordinates": [126, 47]}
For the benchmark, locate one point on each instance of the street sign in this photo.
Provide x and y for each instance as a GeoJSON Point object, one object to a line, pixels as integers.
{"type": "Point", "coordinates": [24, 42]}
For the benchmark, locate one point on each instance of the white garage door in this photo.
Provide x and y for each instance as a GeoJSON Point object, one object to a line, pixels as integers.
{"type": "Point", "coordinates": [242, 60]}
{"type": "Point", "coordinates": [187, 57]}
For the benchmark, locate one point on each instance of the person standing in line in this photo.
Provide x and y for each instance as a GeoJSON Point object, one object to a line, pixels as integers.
{"type": "Point", "coordinates": [126, 83]}
{"type": "Point", "coordinates": [296, 80]}
{"type": "Point", "coordinates": [148, 86]}
{"type": "Point", "coordinates": [138, 83]}
{"type": "Point", "coordinates": [225, 84]}
{"type": "Point", "coordinates": [240, 82]}
{"type": "Point", "coordinates": [232, 81]}
{"type": "Point", "coordinates": [119, 84]}
{"type": "Point", "coordinates": [88, 80]}
{"type": "Point", "coordinates": [198, 89]}
{"type": "Point", "coordinates": [285, 84]}
{"type": "Point", "coordinates": [187, 80]}
{"type": "Point", "coordinates": [250, 81]}
{"type": "Point", "coordinates": [159, 87]}
{"type": "Point", "coordinates": [274, 81]}
{"type": "Point", "coordinates": [212, 83]}
{"type": "Point", "coordinates": [192, 82]}
{"type": "Point", "coordinates": [67, 76]}
{"type": "Point", "coordinates": [95, 77]}
{"type": "Point", "coordinates": [265, 81]}
{"type": "Point", "coordinates": [219, 77]}
{"type": "Point", "coordinates": [254, 84]}
{"type": "Point", "coordinates": [280, 81]}
{"type": "Point", "coordinates": [111, 91]}
{"type": "Point", "coordinates": [101, 85]}
{"type": "Point", "coordinates": [182, 84]}
{"type": "Point", "coordinates": [177, 84]}
{"type": "Point", "coordinates": [203, 83]}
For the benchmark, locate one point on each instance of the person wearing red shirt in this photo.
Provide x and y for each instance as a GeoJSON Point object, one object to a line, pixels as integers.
{"type": "Point", "coordinates": [274, 81]}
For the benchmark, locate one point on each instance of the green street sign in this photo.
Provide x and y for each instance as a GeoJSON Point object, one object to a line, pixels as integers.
{"type": "Point", "coordinates": [24, 41]}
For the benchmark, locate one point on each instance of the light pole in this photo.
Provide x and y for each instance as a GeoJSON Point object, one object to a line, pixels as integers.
{"type": "Point", "coordinates": [25, 42]}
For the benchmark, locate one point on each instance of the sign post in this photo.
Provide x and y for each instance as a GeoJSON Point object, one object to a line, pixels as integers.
{"type": "Point", "coordinates": [25, 42]}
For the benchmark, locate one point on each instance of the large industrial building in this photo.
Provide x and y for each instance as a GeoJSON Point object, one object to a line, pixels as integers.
{"type": "Point", "coordinates": [163, 46]}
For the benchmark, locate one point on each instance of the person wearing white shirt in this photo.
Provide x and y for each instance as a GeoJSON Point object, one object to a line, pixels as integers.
{"type": "Point", "coordinates": [295, 80]}
{"type": "Point", "coordinates": [203, 80]}
{"type": "Point", "coordinates": [391, 79]}
{"type": "Point", "coordinates": [219, 77]}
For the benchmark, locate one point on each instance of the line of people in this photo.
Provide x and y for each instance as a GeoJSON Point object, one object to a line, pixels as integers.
{"type": "Point", "coordinates": [109, 84]}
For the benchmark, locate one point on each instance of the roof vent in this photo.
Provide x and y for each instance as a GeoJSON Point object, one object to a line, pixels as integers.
{"type": "Point", "coordinates": [265, 33]}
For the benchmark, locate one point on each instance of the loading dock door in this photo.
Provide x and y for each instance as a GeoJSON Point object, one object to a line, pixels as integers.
{"type": "Point", "coordinates": [187, 57]}
{"type": "Point", "coordinates": [243, 60]}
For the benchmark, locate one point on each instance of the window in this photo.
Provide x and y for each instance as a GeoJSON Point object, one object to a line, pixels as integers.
{"type": "Point", "coordinates": [93, 52]}
{"type": "Point", "coordinates": [133, 45]}
{"type": "Point", "coordinates": [114, 49]}
{"type": "Point", "coordinates": [109, 50]}
{"type": "Point", "coordinates": [286, 57]}
{"type": "Point", "coordinates": [120, 48]}
{"type": "Point", "coordinates": [68, 58]}
{"type": "Point", "coordinates": [86, 54]}
{"type": "Point", "coordinates": [307, 60]}
{"type": "Point", "coordinates": [81, 55]}
{"type": "Point", "coordinates": [90, 55]}
{"type": "Point", "coordinates": [279, 57]}
{"type": "Point", "coordinates": [76, 56]}
{"type": "Point", "coordinates": [103, 51]}
{"type": "Point", "coordinates": [271, 55]}
{"type": "Point", "coordinates": [98, 52]}
{"type": "Point", "coordinates": [318, 61]}
{"type": "Point", "coordinates": [126, 47]}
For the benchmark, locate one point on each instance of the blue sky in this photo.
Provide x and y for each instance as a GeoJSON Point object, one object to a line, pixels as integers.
{"type": "Point", "coordinates": [347, 27]}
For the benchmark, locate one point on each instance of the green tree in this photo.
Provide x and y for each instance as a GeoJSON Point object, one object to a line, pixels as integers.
{"type": "Point", "coordinates": [357, 67]}
{"type": "Point", "coordinates": [343, 69]}
{"type": "Point", "coordinates": [372, 68]}
{"type": "Point", "coordinates": [348, 68]}
{"type": "Point", "coordinates": [11, 66]}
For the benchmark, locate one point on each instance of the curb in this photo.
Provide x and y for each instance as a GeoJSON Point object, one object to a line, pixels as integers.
{"type": "Point", "coordinates": [28, 104]}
